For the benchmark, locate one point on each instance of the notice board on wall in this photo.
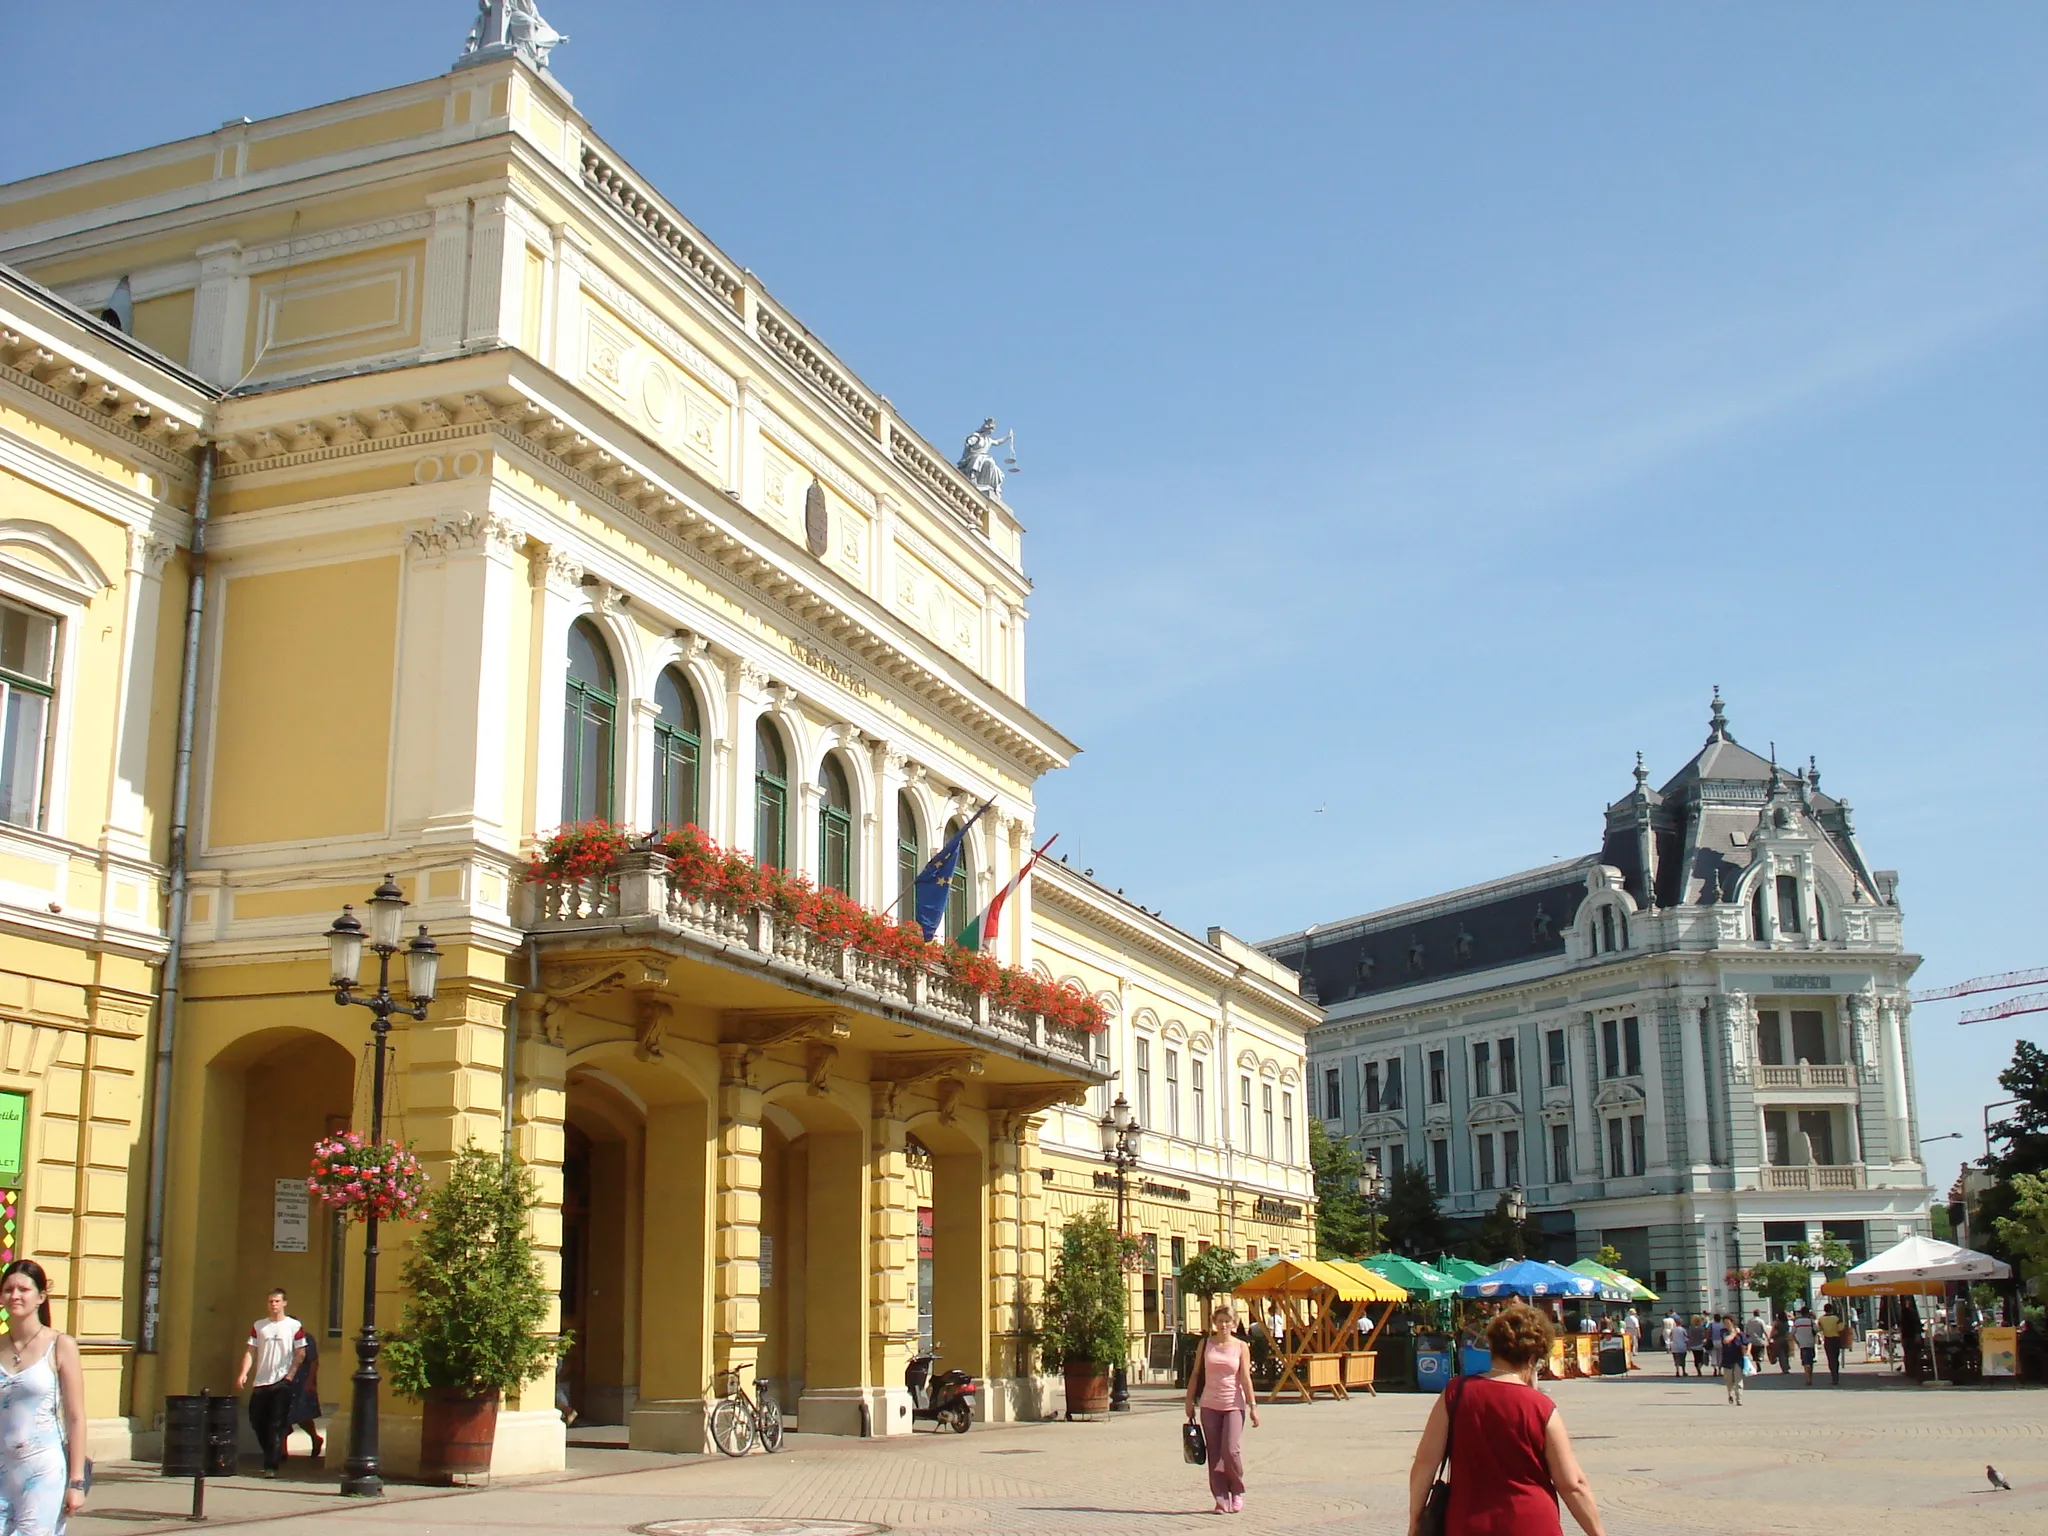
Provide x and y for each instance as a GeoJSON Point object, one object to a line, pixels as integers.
{"type": "Point", "coordinates": [290, 1216]}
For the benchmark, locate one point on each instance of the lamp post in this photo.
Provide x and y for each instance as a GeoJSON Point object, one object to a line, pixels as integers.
{"type": "Point", "coordinates": [1120, 1131]}
{"type": "Point", "coordinates": [1518, 1212]}
{"type": "Point", "coordinates": [1371, 1186]}
{"type": "Point", "coordinates": [360, 1474]}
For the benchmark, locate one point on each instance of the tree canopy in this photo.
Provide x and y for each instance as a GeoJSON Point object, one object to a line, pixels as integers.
{"type": "Point", "coordinates": [1414, 1224]}
{"type": "Point", "coordinates": [1345, 1228]}
{"type": "Point", "coordinates": [2021, 1143]}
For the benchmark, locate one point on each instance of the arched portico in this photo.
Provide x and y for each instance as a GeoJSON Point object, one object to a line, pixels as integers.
{"type": "Point", "coordinates": [813, 1271]}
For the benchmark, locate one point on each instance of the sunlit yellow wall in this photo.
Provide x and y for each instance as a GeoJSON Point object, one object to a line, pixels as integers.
{"type": "Point", "coordinates": [303, 723]}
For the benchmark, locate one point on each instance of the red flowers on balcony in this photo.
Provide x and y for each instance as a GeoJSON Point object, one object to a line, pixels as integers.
{"type": "Point", "coordinates": [700, 869]}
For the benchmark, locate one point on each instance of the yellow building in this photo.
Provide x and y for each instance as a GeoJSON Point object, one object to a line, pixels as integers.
{"type": "Point", "coordinates": [527, 507]}
{"type": "Point", "coordinates": [94, 478]}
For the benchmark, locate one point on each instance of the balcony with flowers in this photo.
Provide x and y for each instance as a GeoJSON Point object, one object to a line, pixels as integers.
{"type": "Point", "coordinates": [595, 886]}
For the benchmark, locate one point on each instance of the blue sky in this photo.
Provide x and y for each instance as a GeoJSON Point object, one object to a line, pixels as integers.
{"type": "Point", "coordinates": [1421, 408]}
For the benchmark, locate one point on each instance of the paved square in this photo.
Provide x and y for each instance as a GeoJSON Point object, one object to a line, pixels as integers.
{"type": "Point", "coordinates": [1666, 1457]}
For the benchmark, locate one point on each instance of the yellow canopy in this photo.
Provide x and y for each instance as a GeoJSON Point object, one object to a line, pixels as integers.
{"type": "Point", "coordinates": [1346, 1282]}
{"type": "Point", "coordinates": [1886, 1288]}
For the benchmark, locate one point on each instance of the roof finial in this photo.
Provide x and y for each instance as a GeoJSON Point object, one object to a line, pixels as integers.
{"type": "Point", "coordinates": [1642, 775]}
{"type": "Point", "coordinates": [1812, 771]}
{"type": "Point", "coordinates": [1777, 779]}
{"type": "Point", "coordinates": [1717, 728]}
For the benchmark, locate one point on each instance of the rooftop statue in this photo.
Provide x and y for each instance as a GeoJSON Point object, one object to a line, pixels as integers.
{"type": "Point", "coordinates": [510, 27]}
{"type": "Point", "coordinates": [978, 458]}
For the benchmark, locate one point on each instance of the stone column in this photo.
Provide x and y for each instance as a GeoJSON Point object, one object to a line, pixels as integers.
{"type": "Point", "coordinates": [1897, 1108]}
{"type": "Point", "coordinates": [1588, 1162]}
{"type": "Point", "coordinates": [443, 293]}
{"type": "Point", "coordinates": [892, 1251]}
{"type": "Point", "coordinates": [1699, 1142]}
{"type": "Point", "coordinates": [1006, 1296]}
{"type": "Point", "coordinates": [1655, 1129]}
{"type": "Point", "coordinates": [746, 697]}
{"type": "Point", "coordinates": [736, 1217]}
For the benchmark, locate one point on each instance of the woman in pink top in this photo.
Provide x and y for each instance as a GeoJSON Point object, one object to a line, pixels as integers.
{"type": "Point", "coordinates": [1220, 1385]}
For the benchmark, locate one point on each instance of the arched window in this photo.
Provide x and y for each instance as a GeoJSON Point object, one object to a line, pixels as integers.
{"type": "Point", "coordinates": [591, 714]}
{"type": "Point", "coordinates": [677, 738]}
{"type": "Point", "coordinates": [1788, 904]}
{"type": "Point", "coordinates": [909, 856]}
{"type": "Point", "coordinates": [1756, 913]}
{"type": "Point", "coordinates": [1607, 929]}
{"type": "Point", "coordinates": [960, 908]}
{"type": "Point", "coordinates": [835, 829]}
{"type": "Point", "coordinates": [771, 797]}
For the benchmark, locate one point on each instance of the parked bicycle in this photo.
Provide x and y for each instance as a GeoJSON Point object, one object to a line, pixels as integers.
{"type": "Point", "coordinates": [739, 1420]}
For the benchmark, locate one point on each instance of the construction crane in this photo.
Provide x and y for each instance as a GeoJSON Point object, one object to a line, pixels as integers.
{"type": "Point", "coordinates": [2011, 1007]}
{"type": "Point", "coordinates": [2005, 981]}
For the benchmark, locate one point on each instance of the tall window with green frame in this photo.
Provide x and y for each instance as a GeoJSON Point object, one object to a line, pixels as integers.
{"type": "Point", "coordinates": [771, 797]}
{"type": "Point", "coordinates": [835, 829]}
{"type": "Point", "coordinates": [909, 858]}
{"type": "Point", "coordinates": [28, 654]}
{"type": "Point", "coordinates": [677, 740]}
{"type": "Point", "coordinates": [960, 908]}
{"type": "Point", "coordinates": [591, 715]}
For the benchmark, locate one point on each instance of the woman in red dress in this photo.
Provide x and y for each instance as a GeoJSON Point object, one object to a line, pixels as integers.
{"type": "Point", "coordinates": [1511, 1459]}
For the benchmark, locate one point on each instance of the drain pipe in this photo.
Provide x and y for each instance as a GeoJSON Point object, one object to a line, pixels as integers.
{"type": "Point", "coordinates": [174, 954]}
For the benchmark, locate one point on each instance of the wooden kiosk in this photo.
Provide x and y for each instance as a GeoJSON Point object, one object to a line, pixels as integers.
{"type": "Point", "coordinates": [1322, 1341]}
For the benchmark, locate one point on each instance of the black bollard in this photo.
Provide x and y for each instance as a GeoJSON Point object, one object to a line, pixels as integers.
{"type": "Point", "coordinates": [199, 1478]}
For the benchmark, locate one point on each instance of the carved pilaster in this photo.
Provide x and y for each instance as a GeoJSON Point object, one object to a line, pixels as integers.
{"type": "Point", "coordinates": [1738, 1032]}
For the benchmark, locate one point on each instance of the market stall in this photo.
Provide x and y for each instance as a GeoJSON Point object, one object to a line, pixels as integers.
{"type": "Point", "coordinates": [1573, 1354]}
{"type": "Point", "coordinates": [1432, 1302]}
{"type": "Point", "coordinates": [1921, 1266]}
{"type": "Point", "coordinates": [1323, 1307]}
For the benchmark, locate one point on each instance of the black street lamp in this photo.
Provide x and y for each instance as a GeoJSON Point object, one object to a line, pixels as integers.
{"type": "Point", "coordinates": [361, 1473]}
{"type": "Point", "coordinates": [1518, 1212]}
{"type": "Point", "coordinates": [1120, 1132]}
{"type": "Point", "coordinates": [1372, 1185]}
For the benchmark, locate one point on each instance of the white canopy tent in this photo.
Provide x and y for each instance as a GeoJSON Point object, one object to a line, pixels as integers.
{"type": "Point", "coordinates": [1925, 1258]}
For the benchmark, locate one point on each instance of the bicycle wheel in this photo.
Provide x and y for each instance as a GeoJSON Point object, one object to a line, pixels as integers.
{"type": "Point", "coordinates": [768, 1423]}
{"type": "Point", "coordinates": [732, 1427]}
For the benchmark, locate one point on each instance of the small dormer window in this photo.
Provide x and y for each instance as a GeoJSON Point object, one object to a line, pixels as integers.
{"type": "Point", "coordinates": [1757, 930]}
{"type": "Point", "coordinates": [1788, 904]}
{"type": "Point", "coordinates": [1607, 930]}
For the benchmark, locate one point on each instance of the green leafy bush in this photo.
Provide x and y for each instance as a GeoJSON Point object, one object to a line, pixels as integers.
{"type": "Point", "coordinates": [473, 1321]}
{"type": "Point", "coordinates": [1085, 1318]}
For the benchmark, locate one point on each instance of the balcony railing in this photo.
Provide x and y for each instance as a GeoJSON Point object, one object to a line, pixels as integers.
{"type": "Point", "coordinates": [638, 893]}
{"type": "Point", "coordinates": [1814, 1176]}
{"type": "Point", "coordinates": [1805, 1075]}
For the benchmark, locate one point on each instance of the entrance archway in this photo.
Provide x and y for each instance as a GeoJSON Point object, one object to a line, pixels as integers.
{"type": "Point", "coordinates": [949, 1174]}
{"type": "Point", "coordinates": [636, 1244]}
{"type": "Point", "coordinates": [269, 1096]}
{"type": "Point", "coordinates": [814, 1271]}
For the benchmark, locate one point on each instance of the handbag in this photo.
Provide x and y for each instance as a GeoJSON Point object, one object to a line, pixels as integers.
{"type": "Point", "coordinates": [1748, 1363]}
{"type": "Point", "coordinates": [1436, 1504]}
{"type": "Point", "coordinates": [1194, 1450]}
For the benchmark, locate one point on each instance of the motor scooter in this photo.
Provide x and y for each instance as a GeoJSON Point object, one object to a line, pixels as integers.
{"type": "Point", "coordinates": [946, 1398]}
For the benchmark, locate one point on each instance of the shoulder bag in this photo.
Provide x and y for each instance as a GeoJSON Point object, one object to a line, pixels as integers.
{"type": "Point", "coordinates": [1194, 1449]}
{"type": "Point", "coordinates": [1436, 1504]}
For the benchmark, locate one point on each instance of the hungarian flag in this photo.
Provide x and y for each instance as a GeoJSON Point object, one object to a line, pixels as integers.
{"type": "Point", "coordinates": [985, 929]}
{"type": "Point", "coordinates": [934, 883]}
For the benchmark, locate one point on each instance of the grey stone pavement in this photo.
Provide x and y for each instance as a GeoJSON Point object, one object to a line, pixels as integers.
{"type": "Point", "coordinates": [1667, 1458]}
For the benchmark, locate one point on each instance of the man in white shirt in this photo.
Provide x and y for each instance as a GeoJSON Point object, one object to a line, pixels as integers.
{"type": "Point", "coordinates": [1802, 1335]}
{"type": "Point", "coordinates": [276, 1347]}
{"type": "Point", "coordinates": [1759, 1330]}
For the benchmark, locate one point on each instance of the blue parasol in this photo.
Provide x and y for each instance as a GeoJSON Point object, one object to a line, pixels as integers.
{"type": "Point", "coordinates": [1529, 1277]}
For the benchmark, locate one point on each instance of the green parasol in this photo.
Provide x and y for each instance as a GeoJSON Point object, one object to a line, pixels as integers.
{"type": "Point", "coordinates": [1633, 1288]}
{"type": "Point", "coordinates": [1421, 1281]}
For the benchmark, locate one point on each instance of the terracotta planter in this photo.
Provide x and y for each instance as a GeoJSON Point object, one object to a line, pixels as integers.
{"type": "Point", "coordinates": [456, 1433]}
{"type": "Point", "coordinates": [1087, 1388]}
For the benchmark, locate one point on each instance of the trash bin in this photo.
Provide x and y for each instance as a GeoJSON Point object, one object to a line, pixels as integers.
{"type": "Point", "coordinates": [1613, 1358]}
{"type": "Point", "coordinates": [200, 1436]}
{"type": "Point", "coordinates": [1432, 1369]}
{"type": "Point", "coordinates": [1474, 1362]}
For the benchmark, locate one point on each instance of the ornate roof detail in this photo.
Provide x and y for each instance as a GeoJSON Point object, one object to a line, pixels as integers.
{"type": "Point", "coordinates": [508, 29]}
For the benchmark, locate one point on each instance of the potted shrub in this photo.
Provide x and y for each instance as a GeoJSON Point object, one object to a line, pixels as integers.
{"type": "Point", "coordinates": [1083, 1326]}
{"type": "Point", "coordinates": [472, 1326]}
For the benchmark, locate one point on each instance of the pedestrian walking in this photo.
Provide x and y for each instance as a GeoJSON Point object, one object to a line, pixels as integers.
{"type": "Point", "coordinates": [1697, 1332]}
{"type": "Point", "coordinates": [1834, 1336]}
{"type": "Point", "coordinates": [1759, 1331]}
{"type": "Point", "coordinates": [1513, 1461]}
{"type": "Point", "coordinates": [1734, 1357]}
{"type": "Point", "coordinates": [276, 1348]}
{"type": "Point", "coordinates": [1220, 1389]}
{"type": "Point", "coordinates": [1679, 1342]}
{"type": "Point", "coordinates": [1803, 1336]}
{"type": "Point", "coordinates": [306, 1398]}
{"type": "Point", "coordinates": [42, 1411]}
{"type": "Point", "coordinates": [1781, 1343]}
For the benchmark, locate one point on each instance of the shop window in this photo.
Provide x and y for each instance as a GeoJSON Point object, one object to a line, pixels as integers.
{"type": "Point", "coordinates": [13, 1164]}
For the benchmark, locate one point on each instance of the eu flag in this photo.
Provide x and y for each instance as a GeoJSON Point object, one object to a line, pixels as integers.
{"type": "Point", "coordinates": [934, 882]}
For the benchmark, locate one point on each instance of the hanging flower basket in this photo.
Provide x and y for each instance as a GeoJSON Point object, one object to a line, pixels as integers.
{"type": "Point", "coordinates": [364, 1179]}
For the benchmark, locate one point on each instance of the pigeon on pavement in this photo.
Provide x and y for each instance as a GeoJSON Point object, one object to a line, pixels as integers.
{"type": "Point", "coordinates": [1996, 1481]}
